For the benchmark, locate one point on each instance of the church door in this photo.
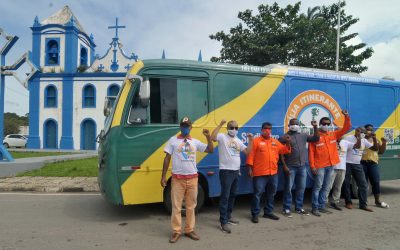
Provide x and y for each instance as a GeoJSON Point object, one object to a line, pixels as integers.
{"type": "Point", "coordinates": [50, 134]}
{"type": "Point", "coordinates": [88, 135]}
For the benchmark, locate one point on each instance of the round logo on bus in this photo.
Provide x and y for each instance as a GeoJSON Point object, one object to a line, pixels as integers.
{"type": "Point", "coordinates": [312, 105]}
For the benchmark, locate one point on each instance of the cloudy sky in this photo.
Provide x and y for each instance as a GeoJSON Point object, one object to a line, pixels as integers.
{"type": "Point", "coordinates": [182, 27]}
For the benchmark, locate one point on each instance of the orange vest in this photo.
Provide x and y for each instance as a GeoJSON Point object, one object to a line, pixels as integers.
{"type": "Point", "coordinates": [264, 155]}
{"type": "Point", "coordinates": [324, 153]}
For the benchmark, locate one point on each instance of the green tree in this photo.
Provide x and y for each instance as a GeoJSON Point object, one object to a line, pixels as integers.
{"type": "Point", "coordinates": [284, 35]}
{"type": "Point", "coordinates": [12, 122]}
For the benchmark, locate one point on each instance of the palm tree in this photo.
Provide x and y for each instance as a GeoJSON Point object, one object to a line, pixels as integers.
{"type": "Point", "coordinates": [313, 13]}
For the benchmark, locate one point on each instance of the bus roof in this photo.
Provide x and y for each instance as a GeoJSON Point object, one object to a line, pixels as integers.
{"type": "Point", "coordinates": [291, 70]}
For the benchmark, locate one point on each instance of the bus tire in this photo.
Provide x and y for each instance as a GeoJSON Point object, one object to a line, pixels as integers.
{"type": "Point", "coordinates": [201, 197]}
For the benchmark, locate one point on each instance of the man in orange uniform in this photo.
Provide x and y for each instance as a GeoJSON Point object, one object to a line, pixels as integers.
{"type": "Point", "coordinates": [323, 155]}
{"type": "Point", "coordinates": [263, 167]}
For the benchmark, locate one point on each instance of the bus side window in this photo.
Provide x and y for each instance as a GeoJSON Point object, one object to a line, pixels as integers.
{"type": "Point", "coordinates": [163, 101]}
{"type": "Point", "coordinates": [137, 114]}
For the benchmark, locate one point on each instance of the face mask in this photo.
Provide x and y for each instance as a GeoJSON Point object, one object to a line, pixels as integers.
{"type": "Point", "coordinates": [362, 135]}
{"type": "Point", "coordinates": [324, 128]}
{"type": "Point", "coordinates": [232, 132]}
{"type": "Point", "coordinates": [185, 131]}
{"type": "Point", "coordinates": [294, 128]}
{"type": "Point", "coordinates": [266, 132]}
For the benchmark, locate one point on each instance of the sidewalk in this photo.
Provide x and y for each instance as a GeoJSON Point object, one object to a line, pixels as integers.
{"type": "Point", "coordinates": [49, 184]}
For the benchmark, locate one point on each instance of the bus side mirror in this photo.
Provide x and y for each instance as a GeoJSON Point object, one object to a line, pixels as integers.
{"type": "Point", "coordinates": [107, 105]}
{"type": "Point", "coordinates": [144, 93]}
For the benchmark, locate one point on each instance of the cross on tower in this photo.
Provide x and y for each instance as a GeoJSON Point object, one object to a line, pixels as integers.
{"type": "Point", "coordinates": [116, 27]}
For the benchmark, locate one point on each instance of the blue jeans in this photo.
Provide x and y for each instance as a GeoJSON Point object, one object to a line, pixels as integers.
{"type": "Point", "coordinates": [357, 171]}
{"type": "Point", "coordinates": [229, 182]}
{"type": "Point", "coordinates": [321, 185]}
{"type": "Point", "coordinates": [261, 184]}
{"type": "Point", "coordinates": [297, 174]}
{"type": "Point", "coordinates": [371, 170]}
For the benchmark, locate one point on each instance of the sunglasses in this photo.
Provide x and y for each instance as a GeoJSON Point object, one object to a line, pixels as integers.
{"type": "Point", "coordinates": [325, 124]}
{"type": "Point", "coordinates": [235, 128]}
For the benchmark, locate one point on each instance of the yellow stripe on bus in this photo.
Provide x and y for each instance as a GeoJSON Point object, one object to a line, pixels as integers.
{"type": "Point", "coordinates": [143, 186]}
{"type": "Point", "coordinates": [124, 94]}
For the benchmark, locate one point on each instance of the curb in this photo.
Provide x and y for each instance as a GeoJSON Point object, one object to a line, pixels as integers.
{"type": "Point", "coordinates": [49, 184]}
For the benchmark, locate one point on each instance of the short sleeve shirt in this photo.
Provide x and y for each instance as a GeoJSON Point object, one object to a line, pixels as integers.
{"type": "Point", "coordinates": [183, 152]}
{"type": "Point", "coordinates": [344, 146]}
{"type": "Point", "coordinates": [229, 149]}
{"type": "Point", "coordinates": [354, 155]}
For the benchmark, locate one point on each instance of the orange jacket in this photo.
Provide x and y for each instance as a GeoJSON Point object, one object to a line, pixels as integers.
{"type": "Point", "coordinates": [324, 153]}
{"type": "Point", "coordinates": [264, 155]}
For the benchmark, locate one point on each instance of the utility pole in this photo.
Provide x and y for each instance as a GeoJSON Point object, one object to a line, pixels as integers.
{"type": "Point", "coordinates": [338, 40]}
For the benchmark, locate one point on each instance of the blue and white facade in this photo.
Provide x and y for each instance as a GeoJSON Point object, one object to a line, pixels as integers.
{"type": "Point", "coordinates": [66, 98]}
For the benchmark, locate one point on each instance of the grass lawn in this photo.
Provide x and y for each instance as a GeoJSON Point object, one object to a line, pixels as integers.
{"type": "Point", "coordinates": [17, 155]}
{"type": "Point", "coordinates": [75, 168]}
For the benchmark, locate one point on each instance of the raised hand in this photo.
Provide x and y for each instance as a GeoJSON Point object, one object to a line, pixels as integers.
{"type": "Point", "coordinates": [287, 139]}
{"type": "Point", "coordinates": [250, 136]}
{"type": "Point", "coordinates": [206, 132]}
{"type": "Point", "coordinates": [383, 140]}
{"type": "Point", "coordinates": [345, 112]}
{"type": "Point", "coordinates": [223, 121]}
{"type": "Point", "coordinates": [314, 123]}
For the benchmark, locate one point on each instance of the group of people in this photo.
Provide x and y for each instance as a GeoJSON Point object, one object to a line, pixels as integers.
{"type": "Point", "coordinates": [334, 160]}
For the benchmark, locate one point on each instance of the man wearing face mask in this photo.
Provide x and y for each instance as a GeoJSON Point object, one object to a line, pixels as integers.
{"type": "Point", "coordinates": [229, 148]}
{"type": "Point", "coordinates": [322, 155]}
{"type": "Point", "coordinates": [184, 179]}
{"type": "Point", "coordinates": [370, 161]}
{"type": "Point", "coordinates": [294, 166]}
{"type": "Point", "coordinates": [262, 162]}
{"type": "Point", "coordinates": [355, 169]}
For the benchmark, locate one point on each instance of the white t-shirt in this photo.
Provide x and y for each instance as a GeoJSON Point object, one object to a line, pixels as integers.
{"type": "Point", "coordinates": [343, 148]}
{"type": "Point", "coordinates": [229, 149]}
{"type": "Point", "coordinates": [183, 153]}
{"type": "Point", "coordinates": [354, 155]}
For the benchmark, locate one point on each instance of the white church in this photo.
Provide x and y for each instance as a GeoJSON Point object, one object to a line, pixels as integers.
{"type": "Point", "coordinates": [66, 97]}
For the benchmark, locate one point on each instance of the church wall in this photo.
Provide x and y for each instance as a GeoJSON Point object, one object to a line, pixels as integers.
{"type": "Point", "coordinates": [81, 113]}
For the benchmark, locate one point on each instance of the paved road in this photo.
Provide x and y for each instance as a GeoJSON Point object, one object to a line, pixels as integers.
{"type": "Point", "coordinates": [86, 221]}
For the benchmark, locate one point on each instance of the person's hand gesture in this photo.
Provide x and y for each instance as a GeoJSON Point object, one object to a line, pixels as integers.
{"type": "Point", "coordinates": [314, 123]}
{"type": "Point", "coordinates": [287, 139]}
{"type": "Point", "coordinates": [250, 136]}
{"type": "Point", "coordinates": [383, 140]}
{"type": "Point", "coordinates": [206, 132]}
{"type": "Point", "coordinates": [223, 121]}
{"type": "Point", "coordinates": [345, 112]}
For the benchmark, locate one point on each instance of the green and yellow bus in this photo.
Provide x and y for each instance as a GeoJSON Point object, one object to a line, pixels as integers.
{"type": "Point", "coordinates": [157, 93]}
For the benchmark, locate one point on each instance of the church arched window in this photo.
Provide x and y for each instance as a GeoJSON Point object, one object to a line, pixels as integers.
{"type": "Point", "coordinates": [89, 96]}
{"type": "Point", "coordinates": [50, 96]}
{"type": "Point", "coordinates": [84, 56]}
{"type": "Point", "coordinates": [113, 90]}
{"type": "Point", "coordinates": [52, 51]}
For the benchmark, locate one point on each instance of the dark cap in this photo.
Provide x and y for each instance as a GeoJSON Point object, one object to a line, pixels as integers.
{"type": "Point", "coordinates": [185, 121]}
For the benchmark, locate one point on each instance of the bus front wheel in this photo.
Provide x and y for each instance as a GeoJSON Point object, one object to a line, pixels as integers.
{"type": "Point", "coordinates": [168, 204]}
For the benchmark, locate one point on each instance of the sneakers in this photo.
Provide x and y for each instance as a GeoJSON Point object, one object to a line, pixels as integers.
{"type": "Point", "coordinates": [233, 221]}
{"type": "Point", "coordinates": [315, 212]}
{"type": "Point", "coordinates": [302, 211]}
{"type": "Point", "coordinates": [382, 204]}
{"type": "Point", "coordinates": [324, 211]}
{"type": "Point", "coordinates": [254, 219]}
{"type": "Point", "coordinates": [287, 213]}
{"type": "Point", "coordinates": [335, 206]}
{"type": "Point", "coordinates": [225, 228]}
{"type": "Point", "coordinates": [271, 216]}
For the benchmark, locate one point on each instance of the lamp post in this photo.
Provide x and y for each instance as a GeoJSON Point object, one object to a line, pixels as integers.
{"type": "Point", "coordinates": [338, 40]}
